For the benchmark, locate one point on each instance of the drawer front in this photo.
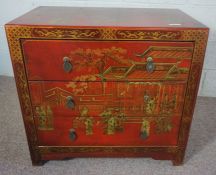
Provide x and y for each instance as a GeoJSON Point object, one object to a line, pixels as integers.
{"type": "Point", "coordinates": [107, 113]}
{"type": "Point", "coordinates": [106, 60]}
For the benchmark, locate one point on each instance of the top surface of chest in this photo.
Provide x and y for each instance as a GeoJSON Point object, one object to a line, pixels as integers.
{"type": "Point", "coordinates": [107, 17]}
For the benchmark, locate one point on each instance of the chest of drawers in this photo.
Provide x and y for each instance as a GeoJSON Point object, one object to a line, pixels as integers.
{"type": "Point", "coordinates": [107, 82]}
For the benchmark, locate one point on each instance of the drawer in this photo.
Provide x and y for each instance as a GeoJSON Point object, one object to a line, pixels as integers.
{"type": "Point", "coordinates": [106, 60]}
{"type": "Point", "coordinates": [107, 113]}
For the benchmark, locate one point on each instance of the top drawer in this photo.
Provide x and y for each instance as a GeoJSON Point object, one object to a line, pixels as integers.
{"type": "Point", "coordinates": [107, 60]}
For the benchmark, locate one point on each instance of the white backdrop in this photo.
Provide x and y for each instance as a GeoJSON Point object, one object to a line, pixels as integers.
{"type": "Point", "coordinates": [202, 10]}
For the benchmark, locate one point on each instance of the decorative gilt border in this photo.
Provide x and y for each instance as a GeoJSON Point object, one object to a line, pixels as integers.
{"type": "Point", "coordinates": [15, 33]}
{"type": "Point", "coordinates": [200, 38]}
{"type": "Point", "coordinates": [106, 34]}
{"type": "Point", "coordinates": [102, 149]}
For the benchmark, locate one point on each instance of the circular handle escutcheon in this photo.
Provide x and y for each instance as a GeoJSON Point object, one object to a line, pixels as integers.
{"type": "Point", "coordinates": [150, 66]}
{"type": "Point", "coordinates": [72, 134]}
{"type": "Point", "coordinates": [70, 102]}
{"type": "Point", "coordinates": [67, 66]}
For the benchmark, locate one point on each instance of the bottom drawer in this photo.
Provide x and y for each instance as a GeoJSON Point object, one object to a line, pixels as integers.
{"type": "Point", "coordinates": [137, 133]}
{"type": "Point", "coordinates": [107, 113]}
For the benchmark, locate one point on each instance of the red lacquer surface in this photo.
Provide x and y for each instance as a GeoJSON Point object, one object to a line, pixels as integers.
{"type": "Point", "coordinates": [110, 60]}
{"type": "Point", "coordinates": [41, 38]}
{"type": "Point", "coordinates": [125, 98]}
{"type": "Point", "coordinates": [116, 17]}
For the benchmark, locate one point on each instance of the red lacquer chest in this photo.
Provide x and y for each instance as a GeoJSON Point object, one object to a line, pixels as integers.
{"type": "Point", "coordinates": [107, 82]}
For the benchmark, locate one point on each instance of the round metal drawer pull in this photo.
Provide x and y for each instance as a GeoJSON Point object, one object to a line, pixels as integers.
{"type": "Point", "coordinates": [146, 98]}
{"type": "Point", "coordinates": [150, 66]}
{"type": "Point", "coordinates": [72, 134]}
{"type": "Point", "coordinates": [67, 66]}
{"type": "Point", "coordinates": [70, 102]}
